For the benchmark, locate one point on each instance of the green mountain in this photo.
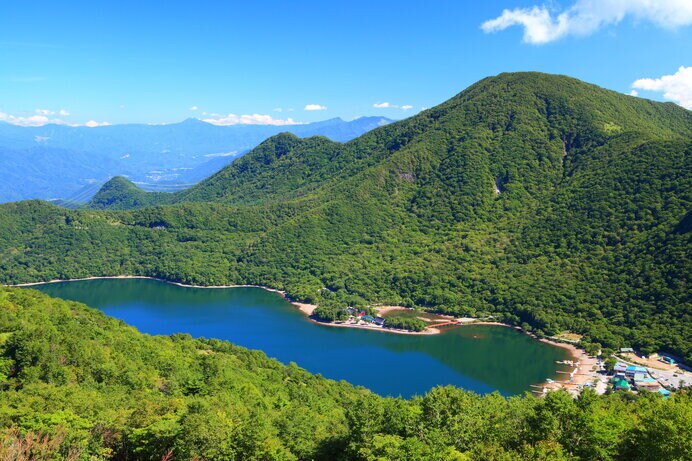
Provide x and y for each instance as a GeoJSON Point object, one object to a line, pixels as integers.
{"type": "Point", "coordinates": [545, 201]}
{"type": "Point", "coordinates": [78, 385]}
{"type": "Point", "coordinates": [121, 193]}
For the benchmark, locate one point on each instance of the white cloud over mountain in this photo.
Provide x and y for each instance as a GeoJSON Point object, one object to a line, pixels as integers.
{"type": "Point", "coordinates": [254, 119]}
{"type": "Point", "coordinates": [387, 105]}
{"type": "Point", "coordinates": [543, 24]}
{"type": "Point", "coordinates": [32, 120]}
{"type": "Point", "coordinates": [315, 107]}
{"type": "Point", "coordinates": [94, 124]}
{"type": "Point", "coordinates": [676, 87]}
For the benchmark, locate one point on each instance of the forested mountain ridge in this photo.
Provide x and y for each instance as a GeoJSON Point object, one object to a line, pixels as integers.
{"type": "Point", "coordinates": [556, 116]}
{"type": "Point", "coordinates": [76, 384]}
{"type": "Point", "coordinates": [543, 200]}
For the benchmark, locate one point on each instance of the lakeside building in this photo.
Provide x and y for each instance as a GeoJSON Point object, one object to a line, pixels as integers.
{"type": "Point", "coordinates": [632, 370]}
{"type": "Point", "coordinates": [620, 383]}
{"type": "Point", "coordinates": [620, 368]}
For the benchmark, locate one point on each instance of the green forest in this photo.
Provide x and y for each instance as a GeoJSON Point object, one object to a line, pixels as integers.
{"type": "Point", "coordinates": [76, 384]}
{"type": "Point", "coordinates": [544, 201]}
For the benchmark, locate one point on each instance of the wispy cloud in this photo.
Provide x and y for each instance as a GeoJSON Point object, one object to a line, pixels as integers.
{"type": "Point", "coordinates": [314, 107]}
{"type": "Point", "coordinates": [676, 87]}
{"type": "Point", "coordinates": [543, 24]}
{"type": "Point", "coordinates": [31, 120]}
{"type": "Point", "coordinates": [387, 105]}
{"type": "Point", "coordinates": [39, 118]}
{"type": "Point", "coordinates": [194, 108]}
{"type": "Point", "coordinates": [43, 117]}
{"type": "Point", "coordinates": [254, 119]}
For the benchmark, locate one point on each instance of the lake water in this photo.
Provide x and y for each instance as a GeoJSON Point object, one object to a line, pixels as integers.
{"type": "Point", "coordinates": [479, 358]}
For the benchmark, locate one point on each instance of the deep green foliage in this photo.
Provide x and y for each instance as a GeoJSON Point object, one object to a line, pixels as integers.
{"type": "Point", "coordinates": [539, 199]}
{"type": "Point", "coordinates": [402, 322]}
{"type": "Point", "coordinates": [330, 313]}
{"type": "Point", "coordinates": [76, 384]}
{"type": "Point", "coordinates": [121, 194]}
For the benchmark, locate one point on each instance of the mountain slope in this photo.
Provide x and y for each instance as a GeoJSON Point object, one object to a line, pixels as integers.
{"type": "Point", "coordinates": [547, 202]}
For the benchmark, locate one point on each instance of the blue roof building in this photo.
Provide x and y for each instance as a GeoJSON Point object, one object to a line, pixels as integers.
{"type": "Point", "coordinates": [633, 369]}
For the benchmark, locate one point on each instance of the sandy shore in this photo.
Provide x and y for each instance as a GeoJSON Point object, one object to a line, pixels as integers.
{"type": "Point", "coordinates": [498, 324]}
{"type": "Point", "coordinates": [306, 309]}
{"type": "Point", "coordinates": [427, 331]}
{"type": "Point", "coordinates": [582, 374]}
{"type": "Point", "coordinates": [382, 310]}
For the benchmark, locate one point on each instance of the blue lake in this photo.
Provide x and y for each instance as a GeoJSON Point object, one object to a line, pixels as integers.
{"type": "Point", "coordinates": [480, 358]}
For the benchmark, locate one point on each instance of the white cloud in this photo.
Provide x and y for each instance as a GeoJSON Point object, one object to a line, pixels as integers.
{"type": "Point", "coordinates": [32, 120]}
{"type": "Point", "coordinates": [387, 105]}
{"type": "Point", "coordinates": [43, 119]}
{"type": "Point", "coordinates": [634, 93]}
{"type": "Point", "coordinates": [94, 123]}
{"type": "Point", "coordinates": [587, 16]}
{"type": "Point", "coordinates": [194, 108]}
{"type": "Point", "coordinates": [676, 87]}
{"type": "Point", "coordinates": [315, 107]}
{"type": "Point", "coordinates": [254, 119]}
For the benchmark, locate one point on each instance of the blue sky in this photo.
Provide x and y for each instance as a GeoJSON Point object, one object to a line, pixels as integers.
{"type": "Point", "coordinates": [154, 61]}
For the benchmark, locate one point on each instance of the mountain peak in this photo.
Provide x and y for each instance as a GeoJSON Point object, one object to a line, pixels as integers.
{"type": "Point", "coordinates": [192, 121]}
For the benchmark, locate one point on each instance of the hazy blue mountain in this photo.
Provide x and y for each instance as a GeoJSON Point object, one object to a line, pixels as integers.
{"type": "Point", "coordinates": [69, 163]}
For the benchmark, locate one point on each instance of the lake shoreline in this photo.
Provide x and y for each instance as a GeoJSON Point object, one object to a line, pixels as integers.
{"type": "Point", "coordinates": [307, 309]}
{"type": "Point", "coordinates": [273, 290]}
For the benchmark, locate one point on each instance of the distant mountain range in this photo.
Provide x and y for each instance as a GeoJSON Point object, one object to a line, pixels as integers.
{"type": "Point", "coordinates": [72, 163]}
